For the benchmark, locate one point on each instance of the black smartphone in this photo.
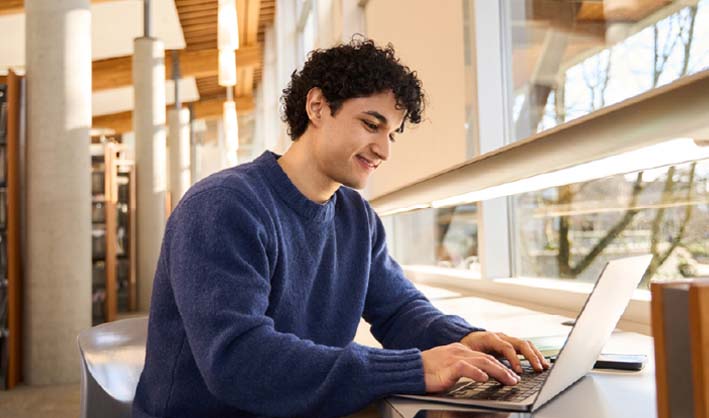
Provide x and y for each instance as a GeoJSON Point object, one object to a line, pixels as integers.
{"type": "Point", "coordinates": [473, 413]}
{"type": "Point", "coordinates": [633, 362]}
{"type": "Point", "coordinates": [621, 361]}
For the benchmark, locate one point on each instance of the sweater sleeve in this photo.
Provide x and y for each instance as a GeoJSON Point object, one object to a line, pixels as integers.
{"type": "Point", "coordinates": [400, 315]}
{"type": "Point", "coordinates": [218, 264]}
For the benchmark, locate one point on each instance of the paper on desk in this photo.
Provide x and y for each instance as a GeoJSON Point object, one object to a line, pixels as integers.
{"type": "Point", "coordinates": [549, 345]}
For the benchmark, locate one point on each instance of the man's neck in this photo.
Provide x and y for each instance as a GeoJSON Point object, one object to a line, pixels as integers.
{"type": "Point", "coordinates": [299, 164]}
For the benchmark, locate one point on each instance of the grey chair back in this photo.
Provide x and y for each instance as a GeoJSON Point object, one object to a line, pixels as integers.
{"type": "Point", "coordinates": [112, 358]}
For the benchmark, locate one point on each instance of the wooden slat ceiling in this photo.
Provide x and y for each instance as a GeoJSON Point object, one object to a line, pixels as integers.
{"type": "Point", "coordinates": [117, 72]}
{"type": "Point", "coordinates": [198, 19]}
{"type": "Point", "coordinates": [199, 26]}
{"type": "Point", "coordinates": [203, 109]}
{"type": "Point", "coordinates": [11, 6]}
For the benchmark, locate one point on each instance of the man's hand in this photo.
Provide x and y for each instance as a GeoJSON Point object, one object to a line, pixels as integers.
{"type": "Point", "coordinates": [444, 365]}
{"type": "Point", "coordinates": [509, 347]}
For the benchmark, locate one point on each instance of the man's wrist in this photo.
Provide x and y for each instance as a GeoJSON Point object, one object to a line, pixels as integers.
{"type": "Point", "coordinates": [471, 334]}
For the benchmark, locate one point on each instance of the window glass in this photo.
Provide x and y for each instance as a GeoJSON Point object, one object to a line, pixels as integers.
{"type": "Point", "coordinates": [570, 58]}
{"type": "Point", "coordinates": [569, 232]}
{"type": "Point", "coordinates": [445, 237]}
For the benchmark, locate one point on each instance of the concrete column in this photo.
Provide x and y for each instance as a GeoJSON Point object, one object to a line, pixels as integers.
{"type": "Point", "coordinates": [150, 159]}
{"type": "Point", "coordinates": [57, 283]}
{"type": "Point", "coordinates": [178, 146]}
{"type": "Point", "coordinates": [194, 152]}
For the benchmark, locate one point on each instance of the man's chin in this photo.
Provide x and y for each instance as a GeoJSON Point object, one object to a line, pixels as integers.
{"type": "Point", "coordinates": [356, 184]}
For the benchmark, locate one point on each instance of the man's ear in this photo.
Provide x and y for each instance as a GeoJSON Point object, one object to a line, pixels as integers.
{"type": "Point", "coordinates": [315, 105]}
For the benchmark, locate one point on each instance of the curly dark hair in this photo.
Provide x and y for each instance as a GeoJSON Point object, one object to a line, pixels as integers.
{"type": "Point", "coordinates": [357, 69]}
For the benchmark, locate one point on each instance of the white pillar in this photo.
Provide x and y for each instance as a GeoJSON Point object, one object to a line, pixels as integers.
{"type": "Point", "coordinates": [194, 152]}
{"type": "Point", "coordinates": [178, 146]}
{"type": "Point", "coordinates": [230, 125]}
{"type": "Point", "coordinates": [150, 159]}
{"type": "Point", "coordinates": [493, 102]}
{"type": "Point", "coordinates": [57, 284]}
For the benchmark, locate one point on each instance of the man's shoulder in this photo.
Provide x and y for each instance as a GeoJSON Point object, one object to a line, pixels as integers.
{"type": "Point", "coordinates": [242, 180]}
{"type": "Point", "coordinates": [239, 186]}
{"type": "Point", "coordinates": [352, 200]}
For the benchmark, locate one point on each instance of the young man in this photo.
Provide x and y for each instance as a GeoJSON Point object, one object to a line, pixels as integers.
{"type": "Point", "coordinates": [267, 268]}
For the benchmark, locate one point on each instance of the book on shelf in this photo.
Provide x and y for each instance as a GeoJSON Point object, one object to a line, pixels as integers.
{"type": "Point", "coordinates": [4, 296]}
{"type": "Point", "coordinates": [3, 113]}
{"type": "Point", "coordinates": [680, 326]}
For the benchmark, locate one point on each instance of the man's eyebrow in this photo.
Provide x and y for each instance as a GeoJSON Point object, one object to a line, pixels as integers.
{"type": "Point", "coordinates": [384, 120]}
{"type": "Point", "coordinates": [377, 115]}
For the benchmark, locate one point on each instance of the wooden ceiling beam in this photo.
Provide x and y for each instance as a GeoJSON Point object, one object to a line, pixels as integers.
{"type": "Point", "coordinates": [8, 7]}
{"type": "Point", "coordinates": [201, 29]}
{"type": "Point", "coordinates": [204, 109]}
{"type": "Point", "coordinates": [202, 45]}
{"type": "Point", "coordinates": [188, 22]}
{"type": "Point", "coordinates": [204, 6]}
{"type": "Point", "coordinates": [202, 38]}
{"type": "Point", "coordinates": [190, 2]}
{"type": "Point", "coordinates": [245, 85]}
{"type": "Point", "coordinates": [201, 14]}
{"type": "Point", "coordinates": [253, 10]}
{"type": "Point", "coordinates": [117, 72]}
{"type": "Point", "coordinates": [214, 107]}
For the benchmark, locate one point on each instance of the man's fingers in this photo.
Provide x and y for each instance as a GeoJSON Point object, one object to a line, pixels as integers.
{"type": "Point", "coordinates": [528, 351]}
{"type": "Point", "coordinates": [510, 353]}
{"type": "Point", "coordinates": [495, 369]}
{"type": "Point", "coordinates": [544, 361]}
{"type": "Point", "coordinates": [464, 369]}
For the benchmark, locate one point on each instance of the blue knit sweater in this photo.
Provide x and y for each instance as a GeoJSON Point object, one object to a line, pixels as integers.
{"type": "Point", "coordinates": [257, 297]}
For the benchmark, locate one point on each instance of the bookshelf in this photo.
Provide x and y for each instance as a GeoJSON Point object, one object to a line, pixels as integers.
{"type": "Point", "coordinates": [11, 151]}
{"type": "Point", "coordinates": [113, 228]}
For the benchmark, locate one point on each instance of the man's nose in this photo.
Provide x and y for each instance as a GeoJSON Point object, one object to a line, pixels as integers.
{"type": "Point", "coordinates": [382, 148]}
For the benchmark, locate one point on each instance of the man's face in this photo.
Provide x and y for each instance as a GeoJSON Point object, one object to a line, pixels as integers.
{"type": "Point", "coordinates": [355, 141]}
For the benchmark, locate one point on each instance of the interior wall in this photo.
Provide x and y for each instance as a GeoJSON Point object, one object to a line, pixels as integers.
{"type": "Point", "coordinates": [438, 58]}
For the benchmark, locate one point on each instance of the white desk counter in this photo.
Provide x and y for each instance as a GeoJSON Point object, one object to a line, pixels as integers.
{"type": "Point", "coordinates": [601, 394]}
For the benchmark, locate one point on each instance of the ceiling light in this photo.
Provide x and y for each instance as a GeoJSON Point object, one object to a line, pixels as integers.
{"type": "Point", "coordinates": [227, 68]}
{"type": "Point", "coordinates": [228, 26]}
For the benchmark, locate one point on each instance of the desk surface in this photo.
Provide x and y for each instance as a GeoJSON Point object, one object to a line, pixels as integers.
{"type": "Point", "coordinates": [600, 394]}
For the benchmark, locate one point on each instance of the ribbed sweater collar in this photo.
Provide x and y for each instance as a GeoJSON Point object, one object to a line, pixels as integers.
{"type": "Point", "coordinates": [286, 190]}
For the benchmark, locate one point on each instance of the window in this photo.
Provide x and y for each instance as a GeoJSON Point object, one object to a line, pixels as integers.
{"type": "Point", "coordinates": [571, 58]}
{"type": "Point", "coordinates": [445, 237]}
{"type": "Point", "coordinates": [562, 60]}
{"type": "Point", "coordinates": [569, 232]}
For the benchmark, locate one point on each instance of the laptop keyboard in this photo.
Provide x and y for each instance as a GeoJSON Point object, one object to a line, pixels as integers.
{"type": "Point", "coordinates": [530, 383]}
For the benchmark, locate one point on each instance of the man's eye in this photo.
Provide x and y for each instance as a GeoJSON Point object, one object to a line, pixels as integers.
{"type": "Point", "coordinates": [370, 126]}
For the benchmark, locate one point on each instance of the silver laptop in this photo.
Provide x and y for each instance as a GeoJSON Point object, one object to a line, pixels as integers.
{"type": "Point", "coordinates": [593, 327]}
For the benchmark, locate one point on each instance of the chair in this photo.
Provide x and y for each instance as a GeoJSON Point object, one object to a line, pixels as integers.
{"type": "Point", "coordinates": [112, 358]}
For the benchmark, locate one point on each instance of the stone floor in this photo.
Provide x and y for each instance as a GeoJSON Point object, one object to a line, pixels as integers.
{"type": "Point", "coordinates": [61, 401]}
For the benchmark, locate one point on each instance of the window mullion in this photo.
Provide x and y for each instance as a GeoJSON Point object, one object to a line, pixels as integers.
{"type": "Point", "coordinates": [492, 49]}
